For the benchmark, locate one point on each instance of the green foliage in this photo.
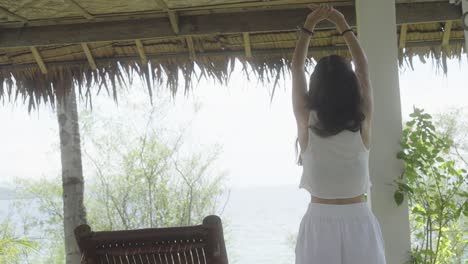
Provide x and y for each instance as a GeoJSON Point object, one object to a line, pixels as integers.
{"type": "Point", "coordinates": [13, 248]}
{"type": "Point", "coordinates": [133, 179]}
{"type": "Point", "coordinates": [436, 188]}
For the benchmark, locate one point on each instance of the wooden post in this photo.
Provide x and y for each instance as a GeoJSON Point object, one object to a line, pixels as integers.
{"type": "Point", "coordinates": [216, 249]}
{"type": "Point", "coordinates": [82, 233]}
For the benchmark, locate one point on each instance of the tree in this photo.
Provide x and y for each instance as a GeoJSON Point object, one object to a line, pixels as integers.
{"type": "Point", "coordinates": [136, 178]}
{"type": "Point", "coordinates": [72, 172]}
{"type": "Point", "coordinates": [144, 177]}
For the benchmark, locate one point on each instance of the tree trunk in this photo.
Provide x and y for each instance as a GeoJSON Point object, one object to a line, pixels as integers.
{"type": "Point", "coordinates": [74, 213]}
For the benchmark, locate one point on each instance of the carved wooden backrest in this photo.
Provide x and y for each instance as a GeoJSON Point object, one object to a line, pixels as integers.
{"type": "Point", "coordinates": [201, 244]}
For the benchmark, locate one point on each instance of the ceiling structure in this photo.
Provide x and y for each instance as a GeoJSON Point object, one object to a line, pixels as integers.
{"type": "Point", "coordinates": [46, 42]}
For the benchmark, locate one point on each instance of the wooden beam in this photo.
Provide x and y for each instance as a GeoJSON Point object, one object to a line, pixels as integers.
{"type": "Point", "coordinates": [141, 51]}
{"type": "Point", "coordinates": [39, 60]}
{"type": "Point", "coordinates": [402, 40]}
{"type": "Point", "coordinates": [191, 47]}
{"type": "Point", "coordinates": [83, 11]}
{"type": "Point", "coordinates": [447, 31]}
{"type": "Point", "coordinates": [12, 15]}
{"type": "Point", "coordinates": [89, 56]}
{"type": "Point", "coordinates": [173, 16]}
{"type": "Point", "coordinates": [248, 50]}
{"type": "Point", "coordinates": [413, 13]}
{"type": "Point", "coordinates": [258, 21]}
{"type": "Point", "coordinates": [265, 52]}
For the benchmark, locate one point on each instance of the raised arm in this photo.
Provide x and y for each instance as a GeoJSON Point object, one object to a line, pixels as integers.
{"type": "Point", "coordinates": [359, 59]}
{"type": "Point", "coordinates": [299, 81]}
{"type": "Point", "coordinates": [361, 69]}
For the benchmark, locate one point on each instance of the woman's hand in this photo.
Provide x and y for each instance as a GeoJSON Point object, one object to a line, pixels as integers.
{"type": "Point", "coordinates": [335, 16]}
{"type": "Point", "coordinates": [319, 13]}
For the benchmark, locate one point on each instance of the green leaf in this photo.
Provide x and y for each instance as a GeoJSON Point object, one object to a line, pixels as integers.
{"type": "Point", "coordinates": [426, 116]}
{"type": "Point", "coordinates": [405, 187]}
{"type": "Point", "coordinates": [410, 123]}
{"type": "Point", "coordinates": [418, 209]}
{"type": "Point", "coordinates": [398, 196]}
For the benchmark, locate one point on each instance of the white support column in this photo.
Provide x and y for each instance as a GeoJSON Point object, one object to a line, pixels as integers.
{"type": "Point", "coordinates": [376, 23]}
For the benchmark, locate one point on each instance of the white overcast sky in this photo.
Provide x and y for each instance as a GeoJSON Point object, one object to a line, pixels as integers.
{"type": "Point", "coordinates": [257, 136]}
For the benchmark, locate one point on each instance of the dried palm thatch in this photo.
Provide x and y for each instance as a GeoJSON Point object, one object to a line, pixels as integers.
{"type": "Point", "coordinates": [43, 58]}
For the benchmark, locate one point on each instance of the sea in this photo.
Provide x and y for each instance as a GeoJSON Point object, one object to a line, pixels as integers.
{"type": "Point", "coordinates": [260, 222]}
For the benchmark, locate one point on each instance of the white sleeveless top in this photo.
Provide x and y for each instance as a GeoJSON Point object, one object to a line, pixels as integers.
{"type": "Point", "coordinates": [335, 167]}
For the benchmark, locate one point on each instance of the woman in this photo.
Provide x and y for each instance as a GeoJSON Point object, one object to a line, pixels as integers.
{"type": "Point", "coordinates": [333, 121]}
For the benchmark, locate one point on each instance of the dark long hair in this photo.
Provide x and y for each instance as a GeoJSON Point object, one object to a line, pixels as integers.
{"type": "Point", "coordinates": [335, 96]}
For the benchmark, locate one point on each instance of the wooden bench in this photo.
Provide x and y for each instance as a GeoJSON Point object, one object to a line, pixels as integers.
{"type": "Point", "coordinates": [201, 244]}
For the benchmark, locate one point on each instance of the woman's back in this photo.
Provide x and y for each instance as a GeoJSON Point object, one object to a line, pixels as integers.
{"type": "Point", "coordinates": [335, 167]}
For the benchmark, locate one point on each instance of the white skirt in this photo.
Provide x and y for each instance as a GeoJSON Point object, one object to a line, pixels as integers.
{"type": "Point", "coordinates": [339, 234]}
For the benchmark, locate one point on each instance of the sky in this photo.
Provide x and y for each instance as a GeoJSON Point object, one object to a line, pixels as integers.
{"type": "Point", "coordinates": [257, 136]}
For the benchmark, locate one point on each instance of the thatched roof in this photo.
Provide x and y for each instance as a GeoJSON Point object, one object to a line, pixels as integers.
{"type": "Point", "coordinates": [47, 44]}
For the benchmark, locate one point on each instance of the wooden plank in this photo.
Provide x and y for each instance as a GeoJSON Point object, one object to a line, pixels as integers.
{"type": "Point", "coordinates": [12, 15]}
{"type": "Point", "coordinates": [248, 50]}
{"type": "Point", "coordinates": [258, 21]}
{"type": "Point", "coordinates": [402, 40]}
{"type": "Point", "coordinates": [83, 11]}
{"type": "Point", "coordinates": [447, 31]}
{"type": "Point", "coordinates": [191, 47]}
{"type": "Point", "coordinates": [39, 60]}
{"type": "Point", "coordinates": [141, 52]}
{"type": "Point", "coordinates": [89, 56]}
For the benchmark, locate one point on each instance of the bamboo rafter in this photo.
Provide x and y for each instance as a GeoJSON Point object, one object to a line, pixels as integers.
{"type": "Point", "coordinates": [39, 61]}
{"type": "Point", "coordinates": [447, 31]}
{"type": "Point", "coordinates": [173, 17]}
{"type": "Point", "coordinates": [402, 40]}
{"type": "Point", "coordinates": [191, 47]}
{"type": "Point", "coordinates": [248, 49]}
{"type": "Point", "coordinates": [141, 51]}
{"type": "Point", "coordinates": [89, 56]}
